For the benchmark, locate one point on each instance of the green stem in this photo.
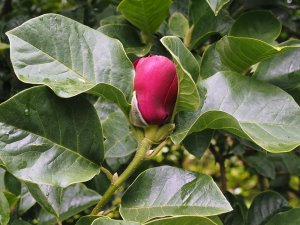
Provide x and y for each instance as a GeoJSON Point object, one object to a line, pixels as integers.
{"type": "Point", "coordinates": [144, 146]}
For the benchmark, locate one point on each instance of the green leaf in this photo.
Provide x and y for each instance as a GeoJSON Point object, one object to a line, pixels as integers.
{"type": "Point", "coordinates": [178, 24]}
{"type": "Point", "coordinates": [282, 70]}
{"type": "Point", "coordinates": [211, 62]}
{"type": "Point", "coordinates": [20, 222]}
{"type": "Point", "coordinates": [217, 5]}
{"type": "Point", "coordinates": [247, 108]}
{"type": "Point", "coordinates": [188, 72]}
{"type": "Point", "coordinates": [108, 221]}
{"type": "Point", "coordinates": [238, 215]}
{"type": "Point", "coordinates": [182, 220]}
{"type": "Point", "coordinates": [4, 210]}
{"type": "Point", "coordinates": [197, 143]}
{"type": "Point", "coordinates": [262, 25]}
{"type": "Point", "coordinates": [71, 61]}
{"type": "Point", "coordinates": [181, 6]}
{"type": "Point", "coordinates": [261, 164]}
{"type": "Point", "coordinates": [86, 220]}
{"type": "Point", "coordinates": [290, 217]}
{"type": "Point", "coordinates": [239, 53]}
{"type": "Point", "coordinates": [48, 140]}
{"type": "Point", "coordinates": [26, 201]}
{"type": "Point", "coordinates": [63, 203]}
{"type": "Point", "coordinates": [205, 23]}
{"type": "Point", "coordinates": [144, 14]}
{"type": "Point", "coordinates": [119, 142]}
{"type": "Point", "coordinates": [291, 161]}
{"type": "Point", "coordinates": [128, 36]}
{"type": "Point", "coordinates": [264, 206]}
{"type": "Point", "coordinates": [169, 191]}
{"type": "Point", "coordinates": [12, 184]}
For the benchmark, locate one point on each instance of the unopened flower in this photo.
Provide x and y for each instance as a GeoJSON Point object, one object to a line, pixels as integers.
{"type": "Point", "coordinates": [156, 90]}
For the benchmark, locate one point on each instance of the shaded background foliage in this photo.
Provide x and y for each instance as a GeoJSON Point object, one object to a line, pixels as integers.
{"type": "Point", "coordinates": [242, 169]}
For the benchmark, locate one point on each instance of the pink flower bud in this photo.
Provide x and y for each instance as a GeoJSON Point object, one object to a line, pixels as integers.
{"type": "Point", "coordinates": [156, 88]}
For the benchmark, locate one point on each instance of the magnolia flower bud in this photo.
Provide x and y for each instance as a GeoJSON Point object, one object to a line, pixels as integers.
{"type": "Point", "coordinates": [156, 89]}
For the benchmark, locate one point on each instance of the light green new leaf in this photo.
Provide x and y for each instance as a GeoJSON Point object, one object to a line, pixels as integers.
{"type": "Point", "coordinates": [262, 25]}
{"type": "Point", "coordinates": [119, 142]}
{"type": "Point", "coordinates": [128, 36]}
{"type": "Point", "coordinates": [290, 217]}
{"type": "Point", "coordinates": [48, 140]}
{"type": "Point", "coordinates": [188, 72]}
{"type": "Point", "coordinates": [247, 108]}
{"type": "Point", "coordinates": [169, 191]}
{"type": "Point", "coordinates": [282, 70]}
{"type": "Point", "coordinates": [71, 59]}
{"type": "Point", "coordinates": [62, 203]}
{"type": "Point", "coordinates": [178, 24]}
{"type": "Point", "coordinates": [264, 206]}
{"type": "Point", "coordinates": [4, 210]}
{"type": "Point", "coordinates": [144, 14]}
{"type": "Point", "coordinates": [217, 5]}
{"type": "Point", "coordinates": [182, 220]}
{"type": "Point", "coordinates": [205, 23]}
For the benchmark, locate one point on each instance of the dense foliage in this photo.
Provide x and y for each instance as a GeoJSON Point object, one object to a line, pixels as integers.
{"type": "Point", "coordinates": [66, 84]}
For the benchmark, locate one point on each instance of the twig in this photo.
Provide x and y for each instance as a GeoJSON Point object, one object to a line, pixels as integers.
{"type": "Point", "coordinates": [221, 161]}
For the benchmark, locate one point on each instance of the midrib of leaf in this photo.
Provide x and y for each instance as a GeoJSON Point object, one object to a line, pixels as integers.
{"type": "Point", "coordinates": [61, 146]}
{"type": "Point", "coordinates": [52, 57]}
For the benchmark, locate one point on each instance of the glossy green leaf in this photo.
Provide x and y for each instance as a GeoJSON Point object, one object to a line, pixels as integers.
{"type": "Point", "coordinates": [178, 24]}
{"type": "Point", "coordinates": [71, 59]}
{"type": "Point", "coordinates": [107, 221]}
{"type": "Point", "coordinates": [238, 215]}
{"type": "Point", "coordinates": [290, 217]}
{"type": "Point", "coordinates": [144, 14]}
{"type": "Point", "coordinates": [188, 72]}
{"type": "Point", "coordinates": [48, 140]}
{"type": "Point", "coordinates": [264, 206]}
{"type": "Point", "coordinates": [197, 143]}
{"type": "Point", "coordinates": [169, 191]}
{"type": "Point", "coordinates": [262, 25]}
{"type": "Point", "coordinates": [182, 220]}
{"type": "Point", "coordinates": [26, 201]}
{"type": "Point", "coordinates": [205, 23]}
{"type": "Point", "coordinates": [217, 5]}
{"type": "Point", "coordinates": [291, 160]}
{"type": "Point", "coordinates": [4, 210]}
{"type": "Point", "coordinates": [247, 108]}
{"type": "Point", "coordinates": [63, 203]}
{"type": "Point", "coordinates": [12, 184]}
{"type": "Point", "coordinates": [86, 220]}
{"type": "Point", "coordinates": [239, 53]}
{"type": "Point", "coordinates": [261, 164]}
{"type": "Point", "coordinates": [282, 70]}
{"type": "Point", "coordinates": [211, 62]}
{"type": "Point", "coordinates": [120, 142]}
{"type": "Point", "coordinates": [129, 37]}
